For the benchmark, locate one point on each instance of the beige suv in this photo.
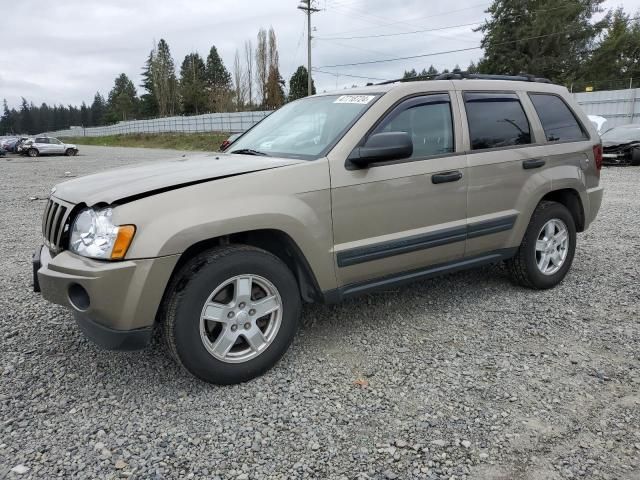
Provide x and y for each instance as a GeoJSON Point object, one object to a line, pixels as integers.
{"type": "Point", "coordinates": [329, 197]}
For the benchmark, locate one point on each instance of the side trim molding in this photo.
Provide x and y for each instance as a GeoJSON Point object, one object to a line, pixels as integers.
{"type": "Point", "coordinates": [398, 247]}
{"type": "Point", "coordinates": [402, 278]}
{"type": "Point", "coordinates": [414, 243]}
{"type": "Point", "coordinates": [491, 226]}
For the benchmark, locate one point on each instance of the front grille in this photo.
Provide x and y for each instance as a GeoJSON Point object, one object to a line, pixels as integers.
{"type": "Point", "coordinates": [55, 224]}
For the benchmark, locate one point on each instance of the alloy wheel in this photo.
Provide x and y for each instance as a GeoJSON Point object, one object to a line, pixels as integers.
{"type": "Point", "coordinates": [241, 318]}
{"type": "Point", "coordinates": [552, 246]}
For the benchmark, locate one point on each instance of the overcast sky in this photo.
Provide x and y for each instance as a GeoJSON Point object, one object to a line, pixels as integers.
{"type": "Point", "coordinates": [63, 51]}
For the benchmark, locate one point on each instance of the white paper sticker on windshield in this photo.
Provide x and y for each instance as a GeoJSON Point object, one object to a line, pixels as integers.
{"type": "Point", "coordinates": [359, 99]}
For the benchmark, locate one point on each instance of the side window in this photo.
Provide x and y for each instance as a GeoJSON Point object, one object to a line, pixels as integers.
{"type": "Point", "coordinates": [427, 120]}
{"type": "Point", "coordinates": [496, 120]}
{"type": "Point", "coordinates": [42, 140]}
{"type": "Point", "coordinates": [558, 121]}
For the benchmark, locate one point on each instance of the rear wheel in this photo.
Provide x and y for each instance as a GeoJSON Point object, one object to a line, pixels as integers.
{"type": "Point", "coordinates": [231, 313]}
{"type": "Point", "coordinates": [32, 152]}
{"type": "Point", "coordinates": [547, 249]}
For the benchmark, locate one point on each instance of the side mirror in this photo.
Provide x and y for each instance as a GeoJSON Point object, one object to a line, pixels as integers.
{"type": "Point", "coordinates": [382, 147]}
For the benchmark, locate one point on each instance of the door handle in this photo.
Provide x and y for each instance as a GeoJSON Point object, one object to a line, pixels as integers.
{"type": "Point", "coordinates": [533, 163]}
{"type": "Point", "coordinates": [446, 177]}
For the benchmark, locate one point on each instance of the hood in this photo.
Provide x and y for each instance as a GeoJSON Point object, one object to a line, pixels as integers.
{"type": "Point", "coordinates": [125, 184]}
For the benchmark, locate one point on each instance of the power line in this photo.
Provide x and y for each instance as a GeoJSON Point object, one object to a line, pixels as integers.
{"type": "Point", "coordinates": [348, 75]}
{"type": "Point", "coordinates": [400, 33]}
{"type": "Point", "coordinates": [414, 19]}
{"type": "Point", "coordinates": [411, 57]}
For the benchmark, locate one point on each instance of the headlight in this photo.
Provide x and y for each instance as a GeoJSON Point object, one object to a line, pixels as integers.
{"type": "Point", "coordinates": [94, 235]}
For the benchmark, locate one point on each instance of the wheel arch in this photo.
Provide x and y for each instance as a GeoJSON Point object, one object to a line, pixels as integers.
{"type": "Point", "coordinates": [273, 241]}
{"type": "Point", "coordinates": [570, 198]}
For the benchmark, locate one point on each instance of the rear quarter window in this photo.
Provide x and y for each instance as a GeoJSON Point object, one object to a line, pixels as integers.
{"type": "Point", "coordinates": [558, 120]}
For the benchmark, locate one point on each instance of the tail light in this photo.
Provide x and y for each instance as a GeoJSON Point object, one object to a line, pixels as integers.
{"type": "Point", "coordinates": [597, 155]}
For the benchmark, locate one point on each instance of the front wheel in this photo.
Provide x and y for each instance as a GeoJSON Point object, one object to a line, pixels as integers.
{"type": "Point", "coordinates": [547, 249]}
{"type": "Point", "coordinates": [231, 313]}
{"type": "Point", "coordinates": [32, 152]}
{"type": "Point", "coordinates": [70, 152]}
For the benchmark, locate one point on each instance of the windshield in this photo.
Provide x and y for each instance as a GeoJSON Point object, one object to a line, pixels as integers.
{"type": "Point", "coordinates": [622, 135]}
{"type": "Point", "coordinates": [306, 128]}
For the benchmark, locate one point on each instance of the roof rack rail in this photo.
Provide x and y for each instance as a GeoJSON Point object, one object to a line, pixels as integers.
{"type": "Point", "coordinates": [460, 75]}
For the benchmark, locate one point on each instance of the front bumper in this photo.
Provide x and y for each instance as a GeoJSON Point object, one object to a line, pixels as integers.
{"type": "Point", "coordinates": [114, 303]}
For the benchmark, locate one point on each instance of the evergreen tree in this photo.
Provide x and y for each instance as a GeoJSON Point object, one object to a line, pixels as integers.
{"type": "Point", "coordinates": [218, 82]}
{"type": "Point", "coordinates": [409, 74]}
{"type": "Point", "coordinates": [298, 87]}
{"type": "Point", "coordinates": [148, 100]}
{"type": "Point", "coordinates": [541, 37]}
{"type": "Point", "coordinates": [6, 121]}
{"type": "Point", "coordinates": [165, 83]}
{"type": "Point", "coordinates": [122, 102]}
{"type": "Point", "coordinates": [193, 84]}
{"type": "Point", "coordinates": [616, 58]}
{"type": "Point", "coordinates": [98, 110]}
{"type": "Point", "coordinates": [26, 120]}
{"type": "Point", "coordinates": [85, 115]}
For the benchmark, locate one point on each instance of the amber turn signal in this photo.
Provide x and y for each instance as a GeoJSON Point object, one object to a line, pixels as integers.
{"type": "Point", "coordinates": [123, 240]}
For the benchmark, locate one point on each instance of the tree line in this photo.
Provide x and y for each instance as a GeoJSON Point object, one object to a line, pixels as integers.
{"type": "Point", "coordinates": [559, 40]}
{"type": "Point", "coordinates": [202, 85]}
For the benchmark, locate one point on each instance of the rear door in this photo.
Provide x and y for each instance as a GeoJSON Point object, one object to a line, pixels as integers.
{"type": "Point", "coordinates": [403, 215]}
{"type": "Point", "coordinates": [506, 164]}
{"type": "Point", "coordinates": [42, 144]}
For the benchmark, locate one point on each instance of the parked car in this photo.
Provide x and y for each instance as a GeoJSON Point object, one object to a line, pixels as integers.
{"type": "Point", "coordinates": [227, 143]}
{"type": "Point", "coordinates": [48, 146]}
{"type": "Point", "coordinates": [11, 144]}
{"type": "Point", "coordinates": [384, 185]}
{"type": "Point", "coordinates": [621, 145]}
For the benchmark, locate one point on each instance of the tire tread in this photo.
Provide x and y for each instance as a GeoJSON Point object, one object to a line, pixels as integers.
{"type": "Point", "coordinates": [176, 290]}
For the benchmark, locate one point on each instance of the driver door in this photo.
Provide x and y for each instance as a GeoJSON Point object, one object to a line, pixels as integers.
{"type": "Point", "coordinates": [399, 216]}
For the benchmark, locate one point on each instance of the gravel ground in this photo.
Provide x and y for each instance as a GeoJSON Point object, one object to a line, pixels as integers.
{"type": "Point", "coordinates": [464, 376]}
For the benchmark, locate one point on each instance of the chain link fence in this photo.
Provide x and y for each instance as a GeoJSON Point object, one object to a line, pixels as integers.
{"type": "Point", "coordinates": [210, 122]}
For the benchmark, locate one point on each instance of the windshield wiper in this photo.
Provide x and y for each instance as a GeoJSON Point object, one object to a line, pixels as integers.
{"type": "Point", "coordinates": [249, 151]}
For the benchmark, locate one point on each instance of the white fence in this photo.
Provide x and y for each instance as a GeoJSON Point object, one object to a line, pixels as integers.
{"type": "Point", "coordinates": [619, 107]}
{"type": "Point", "coordinates": [210, 122]}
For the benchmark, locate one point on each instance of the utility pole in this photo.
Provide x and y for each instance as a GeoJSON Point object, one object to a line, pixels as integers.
{"type": "Point", "coordinates": [306, 6]}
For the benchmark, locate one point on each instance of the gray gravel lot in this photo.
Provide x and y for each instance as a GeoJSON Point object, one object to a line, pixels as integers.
{"type": "Point", "coordinates": [464, 376]}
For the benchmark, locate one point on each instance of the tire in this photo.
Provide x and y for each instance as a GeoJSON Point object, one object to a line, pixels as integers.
{"type": "Point", "coordinates": [32, 152]}
{"type": "Point", "coordinates": [524, 267]}
{"type": "Point", "coordinates": [70, 152]}
{"type": "Point", "coordinates": [635, 157]}
{"type": "Point", "coordinates": [193, 341]}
